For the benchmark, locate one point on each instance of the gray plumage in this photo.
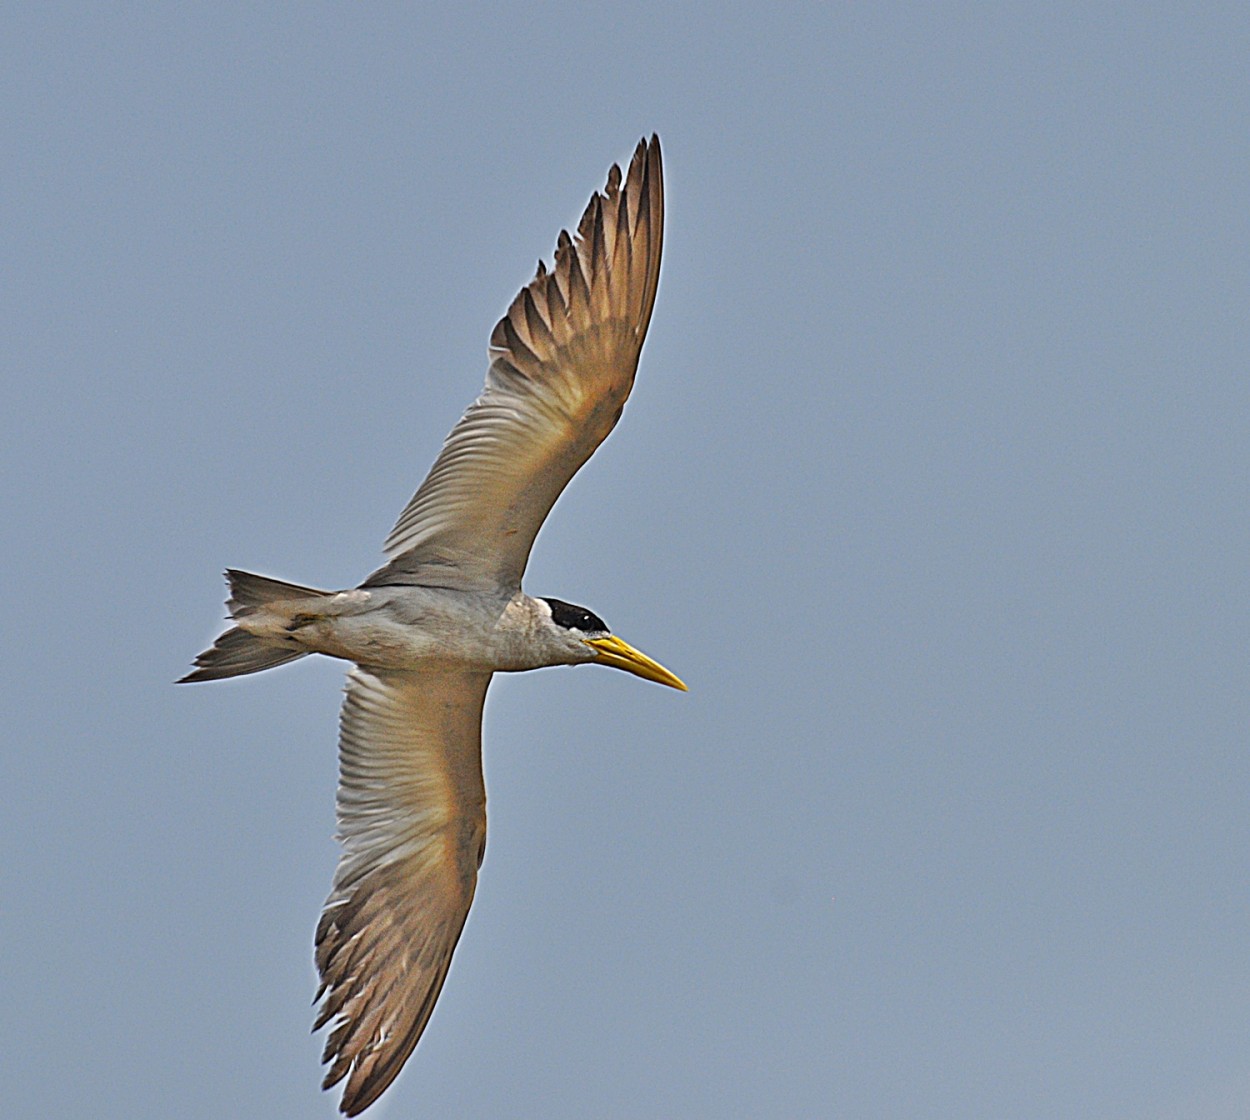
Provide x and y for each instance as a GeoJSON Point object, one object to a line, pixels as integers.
{"type": "Point", "coordinates": [428, 629]}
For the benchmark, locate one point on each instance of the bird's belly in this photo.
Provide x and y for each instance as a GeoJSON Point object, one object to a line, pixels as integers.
{"type": "Point", "coordinates": [388, 644]}
{"type": "Point", "coordinates": [389, 636]}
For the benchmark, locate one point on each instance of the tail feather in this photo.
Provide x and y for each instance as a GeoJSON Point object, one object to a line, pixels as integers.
{"type": "Point", "coordinates": [248, 590]}
{"type": "Point", "coordinates": [237, 651]}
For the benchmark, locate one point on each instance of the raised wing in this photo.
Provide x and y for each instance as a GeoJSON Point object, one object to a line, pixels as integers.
{"type": "Point", "coordinates": [412, 820]}
{"type": "Point", "coordinates": [562, 363]}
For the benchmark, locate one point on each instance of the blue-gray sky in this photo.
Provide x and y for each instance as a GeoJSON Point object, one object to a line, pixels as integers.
{"type": "Point", "coordinates": [933, 488]}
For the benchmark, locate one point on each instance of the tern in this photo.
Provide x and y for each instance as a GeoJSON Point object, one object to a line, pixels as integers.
{"type": "Point", "coordinates": [428, 629]}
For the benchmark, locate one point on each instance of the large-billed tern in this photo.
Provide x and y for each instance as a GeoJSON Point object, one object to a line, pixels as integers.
{"type": "Point", "coordinates": [427, 630]}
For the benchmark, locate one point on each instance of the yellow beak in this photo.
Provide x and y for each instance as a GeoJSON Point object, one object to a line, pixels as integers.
{"type": "Point", "coordinates": [621, 655]}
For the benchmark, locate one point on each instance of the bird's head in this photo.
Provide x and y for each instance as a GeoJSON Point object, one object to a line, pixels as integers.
{"type": "Point", "coordinates": [582, 636]}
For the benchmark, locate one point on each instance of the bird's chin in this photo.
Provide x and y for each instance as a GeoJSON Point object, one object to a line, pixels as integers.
{"type": "Point", "coordinates": [621, 655]}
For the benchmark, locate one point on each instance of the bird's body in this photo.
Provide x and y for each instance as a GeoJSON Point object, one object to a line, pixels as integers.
{"type": "Point", "coordinates": [428, 629]}
{"type": "Point", "coordinates": [411, 628]}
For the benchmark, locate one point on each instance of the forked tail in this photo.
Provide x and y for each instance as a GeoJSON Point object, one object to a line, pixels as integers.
{"type": "Point", "coordinates": [237, 651]}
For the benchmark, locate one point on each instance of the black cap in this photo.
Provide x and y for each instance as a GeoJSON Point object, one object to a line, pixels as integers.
{"type": "Point", "coordinates": [575, 618]}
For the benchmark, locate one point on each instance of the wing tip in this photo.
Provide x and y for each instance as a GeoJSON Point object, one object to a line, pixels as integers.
{"type": "Point", "coordinates": [593, 277]}
{"type": "Point", "coordinates": [581, 332]}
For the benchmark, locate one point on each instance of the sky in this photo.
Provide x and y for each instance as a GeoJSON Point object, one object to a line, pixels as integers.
{"type": "Point", "coordinates": [933, 488]}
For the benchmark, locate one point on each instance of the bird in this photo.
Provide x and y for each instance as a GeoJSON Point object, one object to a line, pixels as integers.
{"type": "Point", "coordinates": [426, 632]}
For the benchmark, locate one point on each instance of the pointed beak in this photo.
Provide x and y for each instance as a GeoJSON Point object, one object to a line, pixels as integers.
{"type": "Point", "coordinates": [621, 655]}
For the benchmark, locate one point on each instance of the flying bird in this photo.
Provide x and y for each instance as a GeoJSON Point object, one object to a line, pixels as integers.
{"type": "Point", "coordinates": [427, 631]}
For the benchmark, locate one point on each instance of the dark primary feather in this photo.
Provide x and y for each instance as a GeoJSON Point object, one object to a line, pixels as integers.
{"type": "Point", "coordinates": [412, 819]}
{"type": "Point", "coordinates": [563, 361]}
